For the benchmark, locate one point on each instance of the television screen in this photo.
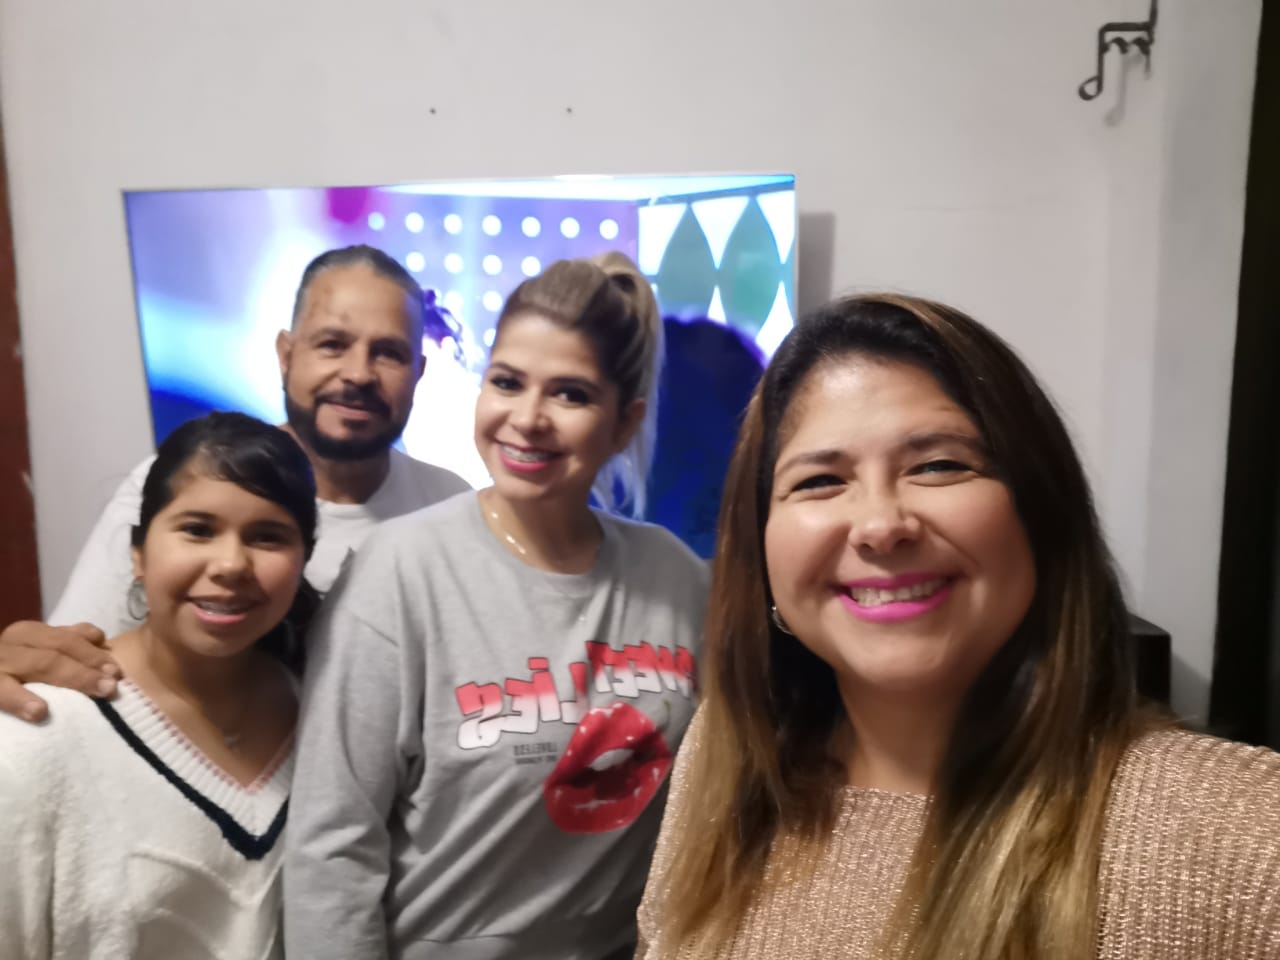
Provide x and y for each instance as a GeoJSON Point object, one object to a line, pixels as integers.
{"type": "Point", "coordinates": [216, 271]}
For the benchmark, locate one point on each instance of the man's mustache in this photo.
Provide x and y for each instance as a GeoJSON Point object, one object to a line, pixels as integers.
{"type": "Point", "coordinates": [360, 399]}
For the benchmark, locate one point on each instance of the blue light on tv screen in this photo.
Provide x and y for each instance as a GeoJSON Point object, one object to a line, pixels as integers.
{"type": "Point", "coordinates": [215, 273]}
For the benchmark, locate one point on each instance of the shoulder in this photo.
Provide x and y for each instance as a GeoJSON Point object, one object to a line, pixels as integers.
{"type": "Point", "coordinates": [427, 525]}
{"type": "Point", "coordinates": [129, 491]}
{"type": "Point", "coordinates": [68, 709]}
{"type": "Point", "coordinates": [649, 542]}
{"type": "Point", "coordinates": [1186, 794]}
{"type": "Point", "coordinates": [127, 498]}
{"type": "Point", "coordinates": [431, 483]}
{"type": "Point", "coordinates": [389, 586]}
{"type": "Point", "coordinates": [138, 475]}
{"type": "Point", "coordinates": [95, 591]}
{"type": "Point", "coordinates": [410, 541]}
{"type": "Point", "coordinates": [659, 570]}
{"type": "Point", "coordinates": [35, 752]}
{"type": "Point", "coordinates": [1200, 766]}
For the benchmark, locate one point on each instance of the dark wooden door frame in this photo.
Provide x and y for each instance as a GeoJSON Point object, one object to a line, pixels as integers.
{"type": "Point", "coordinates": [19, 571]}
{"type": "Point", "coordinates": [1245, 701]}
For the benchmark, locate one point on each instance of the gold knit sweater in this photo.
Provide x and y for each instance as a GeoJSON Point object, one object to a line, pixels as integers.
{"type": "Point", "coordinates": [1190, 865]}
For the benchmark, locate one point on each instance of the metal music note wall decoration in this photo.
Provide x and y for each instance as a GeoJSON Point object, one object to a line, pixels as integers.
{"type": "Point", "coordinates": [1141, 36]}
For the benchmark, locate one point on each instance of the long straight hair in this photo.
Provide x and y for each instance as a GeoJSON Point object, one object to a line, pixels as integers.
{"type": "Point", "coordinates": [1008, 862]}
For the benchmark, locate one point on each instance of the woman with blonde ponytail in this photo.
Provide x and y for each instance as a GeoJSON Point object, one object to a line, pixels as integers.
{"type": "Point", "coordinates": [919, 736]}
{"type": "Point", "coordinates": [498, 683]}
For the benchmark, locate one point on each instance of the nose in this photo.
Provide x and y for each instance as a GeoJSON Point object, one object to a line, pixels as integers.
{"type": "Point", "coordinates": [357, 368]}
{"type": "Point", "coordinates": [528, 415]}
{"type": "Point", "coordinates": [882, 523]}
{"type": "Point", "coordinates": [230, 561]}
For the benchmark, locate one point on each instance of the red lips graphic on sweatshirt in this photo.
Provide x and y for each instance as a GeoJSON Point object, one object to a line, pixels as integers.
{"type": "Point", "coordinates": [608, 773]}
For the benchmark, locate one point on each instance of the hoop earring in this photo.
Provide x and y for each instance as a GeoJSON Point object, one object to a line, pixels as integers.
{"type": "Point", "coordinates": [778, 622]}
{"type": "Point", "coordinates": [136, 600]}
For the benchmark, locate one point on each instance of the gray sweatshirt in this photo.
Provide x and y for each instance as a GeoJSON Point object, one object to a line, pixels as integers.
{"type": "Point", "coordinates": [484, 746]}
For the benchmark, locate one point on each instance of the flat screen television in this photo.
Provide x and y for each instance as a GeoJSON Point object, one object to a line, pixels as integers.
{"type": "Point", "coordinates": [215, 273]}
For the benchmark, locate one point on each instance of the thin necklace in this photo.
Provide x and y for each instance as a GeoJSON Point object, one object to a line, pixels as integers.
{"type": "Point", "coordinates": [501, 530]}
{"type": "Point", "coordinates": [580, 602]}
{"type": "Point", "coordinates": [230, 738]}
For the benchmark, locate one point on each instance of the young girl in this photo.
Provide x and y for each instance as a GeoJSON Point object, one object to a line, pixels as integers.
{"type": "Point", "coordinates": [500, 681]}
{"type": "Point", "coordinates": [149, 826]}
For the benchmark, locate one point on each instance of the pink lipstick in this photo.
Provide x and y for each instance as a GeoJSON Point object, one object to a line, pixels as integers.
{"type": "Point", "coordinates": [520, 465]}
{"type": "Point", "coordinates": [894, 599]}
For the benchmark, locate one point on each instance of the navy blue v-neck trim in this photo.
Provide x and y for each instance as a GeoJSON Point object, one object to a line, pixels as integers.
{"type": "Point", "coordinates": [249, 845]}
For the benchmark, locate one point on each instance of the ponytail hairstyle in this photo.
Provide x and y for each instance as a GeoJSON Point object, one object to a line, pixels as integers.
{"type": "Point", "coordinates": [607, 300]}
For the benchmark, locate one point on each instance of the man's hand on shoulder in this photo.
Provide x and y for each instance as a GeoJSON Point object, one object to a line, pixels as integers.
{"type": "Point", "coordinates": [33, 652]}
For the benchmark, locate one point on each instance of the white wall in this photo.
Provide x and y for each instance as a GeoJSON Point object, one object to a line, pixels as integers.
{"type": "Point", "coordinates": [943, 141]}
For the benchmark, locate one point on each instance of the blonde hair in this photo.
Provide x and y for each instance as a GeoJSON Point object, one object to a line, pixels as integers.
{"type": "Point", "coordinates": [1007, 866]}
{"type": "Point", "coordinates": [608, 301]}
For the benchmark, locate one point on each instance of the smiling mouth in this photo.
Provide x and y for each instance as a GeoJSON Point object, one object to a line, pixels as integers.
{"type": "Point", "coordinates": [878, 597]}
{"type": "Point", "coordinates": [522, 455]}
{"type": "Point", "coordinates": [355, 404]}
{"type": "Point", "coordinates": [222, 606]}
{"type": "Point", "coordinates": [360, 408]}
{"type": "Point", "coordinates": [221, 613]}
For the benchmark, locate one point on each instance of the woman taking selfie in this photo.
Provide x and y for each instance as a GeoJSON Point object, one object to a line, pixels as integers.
{"type": "Point", "coordinates": [919, 736]}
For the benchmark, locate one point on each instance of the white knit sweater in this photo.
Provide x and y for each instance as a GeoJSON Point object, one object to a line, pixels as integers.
{"type": "Point", "coordinates": [119, 838]}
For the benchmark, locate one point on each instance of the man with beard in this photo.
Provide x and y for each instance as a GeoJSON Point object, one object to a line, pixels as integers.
{"type": "Point", "coordinates": [349, 364]}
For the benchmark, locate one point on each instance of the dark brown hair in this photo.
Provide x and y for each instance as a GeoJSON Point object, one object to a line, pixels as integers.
{"type": "Point", "coordinates": [259, 458]}
{"type": "Point", "coordinates": [1009, 856]}
{"type": "Point", "coordinates": [362, 255]}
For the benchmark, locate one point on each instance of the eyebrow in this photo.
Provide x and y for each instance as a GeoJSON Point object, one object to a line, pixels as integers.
{"type": "Point", "coordinates": [569, 381]}
{"type": "Point", "coordinates": [811, 458]}
{"type": "Point", "coordinates": [396, 343]}
{"type": "Point", "coordinates": [918, 442]}
{"type": "Point", "coordinates": [342, 333]}
{"type": "Point", "coordinates": [277, 526]}
{"type": "Point", "coordinates": [330, 330]}
{"type": "Point", "coordinates": [589, 385]}
{"type": "Point", "coordinates": [206, 517]}
{"type": "Point", "coordinates": [194, 515]}
{"type": "Point", "coordinates": [915, 443]}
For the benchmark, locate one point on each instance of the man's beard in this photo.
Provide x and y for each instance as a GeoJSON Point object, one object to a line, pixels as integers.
{"type": "Point", "coordinates": [303, 423]}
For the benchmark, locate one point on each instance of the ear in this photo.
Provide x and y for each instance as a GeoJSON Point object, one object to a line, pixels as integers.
{"type": "Point", "coordinates": [422, 367]}
{"type": "Point", "coordinates": [136, 554]}
{"type": "Point", "coordinates": [630, 421]}
{"type": "Point", "coordinates": [284, 351]}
